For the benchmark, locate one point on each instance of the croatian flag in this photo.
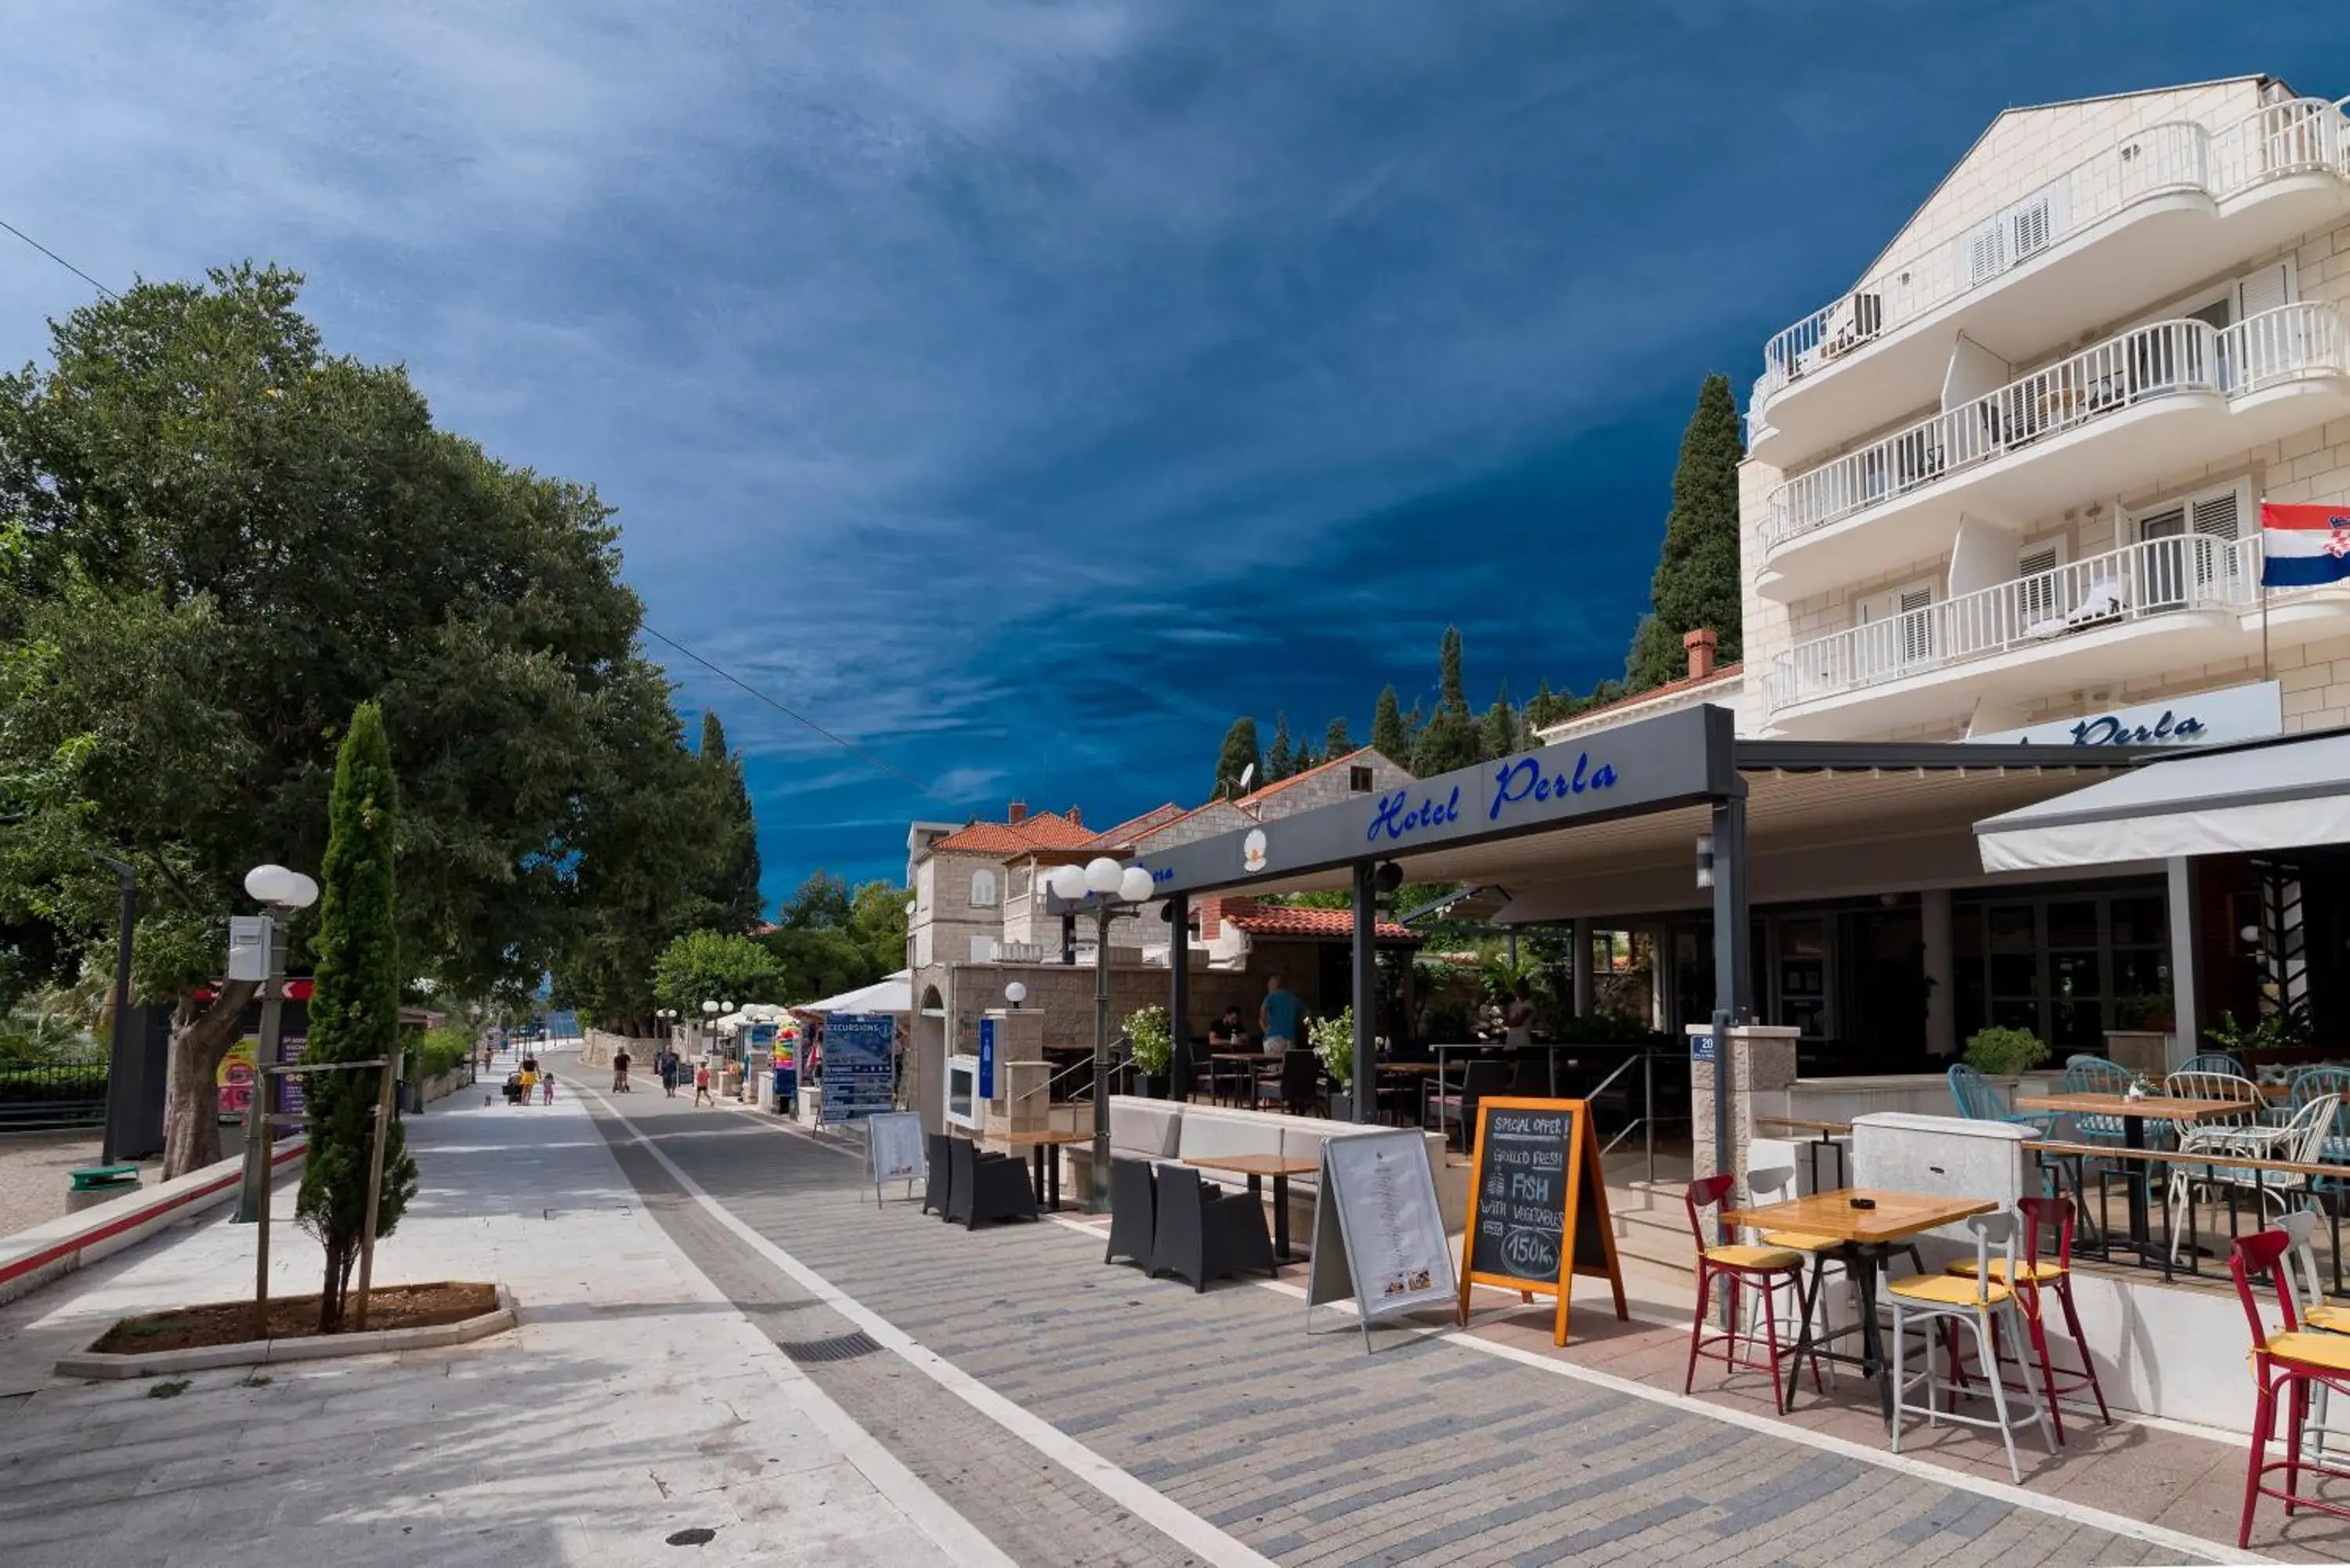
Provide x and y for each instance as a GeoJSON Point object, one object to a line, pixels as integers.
{"type": "Point", "coordinates": [2302, 546]}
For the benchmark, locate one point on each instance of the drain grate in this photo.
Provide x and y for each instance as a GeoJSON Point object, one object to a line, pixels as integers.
{"type": "Point", "coordinates": [833, 1347]}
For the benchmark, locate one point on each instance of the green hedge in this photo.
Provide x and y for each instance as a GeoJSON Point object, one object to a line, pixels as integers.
{"type": "Point", "coordinates": [22, 1085]}
{"type": "Point", "coordinates": [444, 1051]}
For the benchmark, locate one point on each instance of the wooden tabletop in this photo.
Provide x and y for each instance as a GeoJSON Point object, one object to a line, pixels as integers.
{"type": "Point", "coordinates": [1244, 1055]}
{"type": "Point", "coordinates": [1420, 1067]}
{"type": "Point", "coordinates": [1897, 1214]}
{"type": "Point", "coordinates": [2154, 1108]}
{"type": "Point", "coordinates": [1032, 1139]}
{"type": "Point", "coordinates": [1256, 1164]}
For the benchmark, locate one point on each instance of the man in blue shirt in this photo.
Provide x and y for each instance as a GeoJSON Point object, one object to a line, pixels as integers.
{"type": "Point", "coordinates": [1280, 1016]}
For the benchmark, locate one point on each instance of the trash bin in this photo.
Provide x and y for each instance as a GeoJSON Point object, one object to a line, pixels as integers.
{"type": "Point", "coordinates": [96, 1184]}
{"type": "Point", "coordinates": [786, 1087]}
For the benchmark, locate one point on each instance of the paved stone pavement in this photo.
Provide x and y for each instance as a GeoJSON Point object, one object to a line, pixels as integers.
{"type": "Point", "coordinates": [634, 1402]}
{"type": "Point", "coordinates": [35, 1175]}
{"type": "Point", "coordinates": [1299, 1447]}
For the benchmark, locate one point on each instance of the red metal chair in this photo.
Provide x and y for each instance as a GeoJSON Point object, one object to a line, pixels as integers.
{"type": "Point", "coordinates": [2036, 1279]}
{"type": "Point", "coordinates": [2288, 1366]}
{"type": "Point", "coordinates": [1738, 1266]}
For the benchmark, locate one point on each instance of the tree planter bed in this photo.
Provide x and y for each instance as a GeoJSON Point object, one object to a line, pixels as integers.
{"type": "Point", "coordinates": [219, 1334]}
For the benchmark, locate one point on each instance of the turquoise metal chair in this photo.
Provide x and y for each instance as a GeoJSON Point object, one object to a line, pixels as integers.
{"type": "Point", "coordinates": [2097, 1076]}
{"type": "Point", "coordinates": [2310, 1084]}
{"type": "Point", "coordinates": [1979, 1101]}
{"type": "Point", "coordinates": [2213, 1061]}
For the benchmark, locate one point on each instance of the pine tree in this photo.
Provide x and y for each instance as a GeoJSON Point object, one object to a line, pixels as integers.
{"type": "Point", "coordinates": [1456, 696]}
{"type": "Point", "coordinates": [1335, 741]}
{"type": "Point", "coordinates": [1238, 756]}
{"type": "Point", "coordinates": [1280, 761]}
{"type": "Point", "coordinates": [1542, 712]}
{"type": "Point", "coordinates": [1448, 741]}
{"type": "Point", "coordinates": [1501, 726]}
{"type": "Point", "coordinates": [1696, 583]}
{"type": "Point", "coordinates": [1388, 733]}
{"type": "Point", "coordinates": [354, 1014]}
{"type": "Point", "coordinates": [734, 882]}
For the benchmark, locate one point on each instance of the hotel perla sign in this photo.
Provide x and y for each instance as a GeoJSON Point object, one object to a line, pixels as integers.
{"type": "Point", "coordinates": [2251, 713]}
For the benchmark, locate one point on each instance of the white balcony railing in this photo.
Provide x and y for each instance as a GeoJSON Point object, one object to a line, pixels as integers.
{"type": "Point", "coordinates": [2297, 136]}
{"type": "Point", "coordinates": [2155, 578]}
{"type": "Point", "coordinates": [2156, 362]}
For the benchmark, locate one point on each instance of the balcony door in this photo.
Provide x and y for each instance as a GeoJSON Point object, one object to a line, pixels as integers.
{"type": "Point", "coordinates": [2175, 568]}
{"type": "Point", "coordinates": [1897, 633]}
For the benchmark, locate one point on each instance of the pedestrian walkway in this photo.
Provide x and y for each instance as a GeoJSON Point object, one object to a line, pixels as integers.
{"type": "Point", "coordinates": [634, 1403]}
{"type": "Point", "coordinates": [1216, 1421]}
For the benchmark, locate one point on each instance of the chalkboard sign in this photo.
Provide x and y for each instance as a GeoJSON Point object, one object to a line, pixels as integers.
{"type": "Point", "coordinates": [858, 1066]}
{"type": "Point", "coordinates": [1537, 1205]}
{"type": "Point", "coordinates": [1379, 1229]}
{"type": "Point", "coordinates": [893, 1149]}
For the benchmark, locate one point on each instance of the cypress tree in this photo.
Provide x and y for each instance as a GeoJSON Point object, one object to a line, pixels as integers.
{"type": "Point", "coordinates": [1388, 733]}
{"type": "Point", "coordinates": [1280, 761]}
{"type": "Point", "coordinates": [734, 882]}
{"type": "Point", "coordinates": [1239, 755]}
{"type": "Point", "coordinates": [1335, 741]}
{"type": "Point", "coordinates": [1501, 727]}
{"type": "Point", "coordinates": [1543, 710]}
{"type": "Point", "coordinates": [1456, 696]}
{"type": "Point", "coordinates": [1696, 582]}
{"type": "Point", "coordinates": [354, 1014]}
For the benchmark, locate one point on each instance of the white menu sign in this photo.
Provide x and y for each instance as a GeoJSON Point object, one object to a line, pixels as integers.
{"type": "Point", "coordinates": [1378, 1233]}
{"type": "Point", "coordinates": [893, 1148]}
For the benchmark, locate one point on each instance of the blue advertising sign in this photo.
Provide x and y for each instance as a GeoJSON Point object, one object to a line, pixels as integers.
{"type": "Point", "coordinates": [987, 1058]}
{"type": "Point", "coordinates": [858, 1066]}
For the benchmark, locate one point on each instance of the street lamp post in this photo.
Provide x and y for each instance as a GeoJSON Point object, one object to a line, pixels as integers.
{"type": "Point", "coordinates": [1116, 891]}
{"type": "Point", "coordinates": [283, 894]}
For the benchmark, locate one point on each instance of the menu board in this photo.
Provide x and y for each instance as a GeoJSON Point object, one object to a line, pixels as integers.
{"type": "Point", "coordinates": [1379, 1230]}
{"type": "Point", "coordinates": [857, 1067]}
{"type": "Point", "coordinates": [1537, 1204]}
{"type": "Point", "coordinates": [893, 1148]}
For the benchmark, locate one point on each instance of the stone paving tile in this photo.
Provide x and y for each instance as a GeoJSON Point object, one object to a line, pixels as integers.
{"type": "Point", "coordinates": [1313, 1452]}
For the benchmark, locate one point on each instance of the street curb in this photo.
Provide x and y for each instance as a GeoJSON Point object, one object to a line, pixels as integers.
{"type": "Point", "coordinates": [34, 1258]}
{"type": "Point", "coordinates": [309, 1347]}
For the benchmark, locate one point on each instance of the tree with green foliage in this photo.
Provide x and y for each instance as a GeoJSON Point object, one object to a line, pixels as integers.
{"type": "Point", "coordinates": [1454, 694]}
{"type": "Point", "coordinates": [1451, 738]}
{"type": "Point", "coordinates": [1387, 734]}
{"type": "Point", "coordinates": [354, 1014]}
{"type": "Point", "coordinates": [1545, 710]}
{"type": "Point", "coordinates": [716, 966]}
{"type": "Point", "coordinates": [1696, 583]}
{"type": "Point", "coordinates": [828, 938]}
{"type": "Point", "coordinates": [1501, 730]}
{"type": "Point", "coordinates": [1238, 756]}
{"type": "Point", "coordinates": [1280, 761]}
{"type": "Point", "coordinates": [1335, 741]}
{"type": "Point", "coordinates": [733, 888]}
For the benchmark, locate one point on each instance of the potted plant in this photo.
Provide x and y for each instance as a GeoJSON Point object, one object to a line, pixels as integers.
{"type": "Point", "coordinates": [1153, 1042]}
{"type": "Point", "coordinates": [1998, 1052]}
{"type": "Point", "coordinates": [1333, 1039]}
{"type": "Point", "coordinates": [2155, 1012]}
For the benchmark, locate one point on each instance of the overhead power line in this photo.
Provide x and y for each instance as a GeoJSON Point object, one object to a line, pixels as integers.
{"type": "Point", "coordinates": [845, 744]}
{"type": "Point", "coordinates": [61, 261]}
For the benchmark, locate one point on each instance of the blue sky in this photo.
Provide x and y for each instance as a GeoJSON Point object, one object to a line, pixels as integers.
{"type": "Point", "coordinates": [1025, 391]}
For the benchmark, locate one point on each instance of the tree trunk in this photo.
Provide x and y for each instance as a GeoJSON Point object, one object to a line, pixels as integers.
{"type": "Point", "coordinates": [191, 1092]}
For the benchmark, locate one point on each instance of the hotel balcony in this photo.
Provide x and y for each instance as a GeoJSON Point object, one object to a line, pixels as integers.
{"type": "Point", "coordinates": [2138, 222]}
{"type": "Point", "coordinates": [2156, 399]}
{"type": "Point", "coordinates": [2160, 604]}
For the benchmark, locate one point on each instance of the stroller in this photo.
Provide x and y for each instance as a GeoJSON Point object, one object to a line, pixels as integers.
{"type": "Point", "coordinates": [514, 1089]}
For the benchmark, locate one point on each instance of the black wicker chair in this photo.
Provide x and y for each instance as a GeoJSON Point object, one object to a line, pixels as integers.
{"type": "Point", "coordinates": [988, 1187]}
{"type": "Point", "coordinates": [1133, 1223]}
{"type": "Point", "coordinates": [939, 1185]}
{"type": "Point", "coordinates": [1298, 1089]}
{"type": "Point", "coordinates": [1203, 1235]}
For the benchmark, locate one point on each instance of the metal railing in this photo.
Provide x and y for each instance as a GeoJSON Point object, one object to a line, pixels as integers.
{"type": "Point", "coordinates": [2298, 136]}
{"type": "Point", "coordinates": [43, 1096]}
{"type": "Point", "coordinates": [2152, 577]}
{"type": "Point", "coordinates": [2163, 359]}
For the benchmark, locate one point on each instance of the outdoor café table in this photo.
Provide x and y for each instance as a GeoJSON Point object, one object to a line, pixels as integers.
{"type": "Point", "coordinates": [2134, 1113]}
{"type": "Point", "coordinates": [1256, 1167]}
{"type": "Point", "coordinates": [1865, 1237]}
{"type": "Point", "coordinates": [1044, 1146]}
{"type": "Point", "coordinates": [1242, 1066]}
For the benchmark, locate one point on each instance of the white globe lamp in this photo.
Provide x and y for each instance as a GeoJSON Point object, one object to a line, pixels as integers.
{"type": "Point", "coordinates": [1103, 874]}
{"type": "Point", "coordinates": [1015, 993]}
{"type": "Point", "coordinates": [273, 884]}
{"type": "Point", "coordinates": [1069, 883]}
{"type": "Point", "coordinates": [1135, 885]}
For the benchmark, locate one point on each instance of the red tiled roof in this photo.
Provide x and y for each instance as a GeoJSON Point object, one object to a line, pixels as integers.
{"type": "Point", "coordinates": [1309, 772]}
{"type": "Point", "coordinates": [1045, 830]}
{"type": "Point", "coordinates": [1133, 828]}
{"type": "Point", "coordinates": [1686, 683]}
{"type": "Point", "coordinates": [1287, 920]}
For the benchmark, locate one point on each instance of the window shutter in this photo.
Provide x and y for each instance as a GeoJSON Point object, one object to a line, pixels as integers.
{"type": "Point", "coordinates": [2039, 593]}
{"type": "Point", "coordinates": [1986, 250]}
{"type": "Point", "coordinates": [2262, 290]}
{"type": "Point", "coordinates": [2030, 227]}
{"type": "Point", "coordinates": [2216, 516]}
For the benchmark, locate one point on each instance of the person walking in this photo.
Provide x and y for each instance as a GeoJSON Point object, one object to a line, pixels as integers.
{"type": "Point", "coordinates": [669, 1073]}
{"type": "Point", "coordinates": [1279, 1015]}
{"type": "Point", "coordinates": [701, 1084]}
{"type": "Point", "coordinates": [620, 1070]}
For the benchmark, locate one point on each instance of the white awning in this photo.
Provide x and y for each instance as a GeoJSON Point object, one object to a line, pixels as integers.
{"type": "Point", "coordinates": [2283, 795]}
{"type": "Point", "coordinates": [893, 993]}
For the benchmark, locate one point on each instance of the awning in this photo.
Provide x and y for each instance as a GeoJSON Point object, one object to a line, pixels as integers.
{"type": "Point", "coordinates": [2276, 794]}
{"type": "Point", "coordinates": [893, 993]}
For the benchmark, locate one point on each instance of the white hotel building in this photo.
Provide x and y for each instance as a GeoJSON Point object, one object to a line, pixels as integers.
{"type": "Point", "coordinates": [2009, 483]}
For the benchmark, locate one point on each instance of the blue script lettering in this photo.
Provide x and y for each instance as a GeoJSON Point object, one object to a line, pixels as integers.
{"type": "Point", "coordinates": [1393, 821]}
{"type": "Point", "coordinates": [1524, 780]}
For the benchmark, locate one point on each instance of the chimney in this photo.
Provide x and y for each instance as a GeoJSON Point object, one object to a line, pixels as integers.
{"type": "Point", "coordinates": [1700, 644]}
{"type": "Point", "coordinates": [1019, 812]}
{"type": "Point", "coordinates": [1077, 816]}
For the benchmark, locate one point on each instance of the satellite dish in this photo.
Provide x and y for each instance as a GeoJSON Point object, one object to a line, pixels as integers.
{"type": "Point", "coordinates": [1247, 774]}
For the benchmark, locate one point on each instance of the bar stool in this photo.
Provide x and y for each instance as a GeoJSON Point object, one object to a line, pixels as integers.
{"type": "Point", "coordinates": [1976, 1299]}
{"type": "Point", "coordinates": [2293, 1362]}
{"type": "Point", "coordinates": [1775, 1184]}
{"type": "Point", "coordinates": [2298, 1274]}
{"type": "Point", "coordinates": [1766, 1269]}
{"type": "Point", "coordinates": [2036, 1278]}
